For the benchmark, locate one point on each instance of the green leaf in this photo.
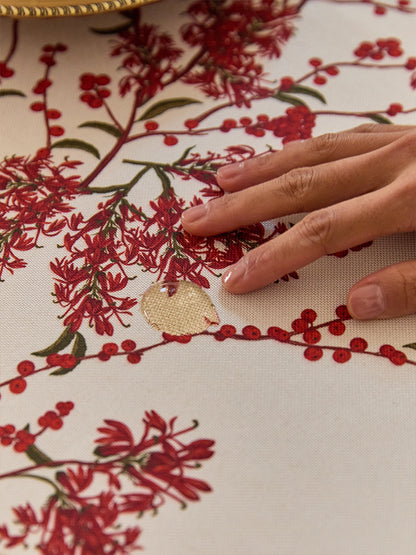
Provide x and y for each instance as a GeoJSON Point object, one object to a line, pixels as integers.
{"type": "Point", "coordinates": [378, 118]}
{"type": "Point", "coordinates": [78, 350]}
{"type": "Point", "coordinates": [184, 155]}
{"type": "Point", "coordinates": [76, 143]}
{"type": "Point", "coordinates": [63, 341]}
{"type": "Point", "coordinates": [111, 30]}
{"type": "Point", "coordinates": [36, 455]}
{"type": "Point", "coordinates": [164, 105]}
{"type": "Point", "coordinates": [302, 89]}
{"type": "Point", "coordinates": [164, 179]}
{"type": "Point", "coordinates": [107, 127]}
{"type": "Point", "coordinates": [284, 97]}
{"type": "Point", "coordinates": [410, 345]}
{"type": "Point", "coordinates": [11, 92]}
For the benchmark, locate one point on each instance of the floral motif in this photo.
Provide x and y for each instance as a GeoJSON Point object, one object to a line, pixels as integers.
{"type": "Point", "coordinates": [140, 476]}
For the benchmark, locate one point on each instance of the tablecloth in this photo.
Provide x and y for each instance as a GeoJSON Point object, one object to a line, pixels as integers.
{"type": "Point", "coordinates": [278, 425]}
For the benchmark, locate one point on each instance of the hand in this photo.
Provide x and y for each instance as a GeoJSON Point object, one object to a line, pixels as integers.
{"type": "Point", "coordinates": [356, 185]}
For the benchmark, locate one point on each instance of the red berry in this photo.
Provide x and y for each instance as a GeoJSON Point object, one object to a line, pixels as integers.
{"type": "Point", "coordinates": [70, 405]}
{"type": "Point", "coordinates": [341, 355]}
{"type": "Point", "coordinates": [219, 336]}
{"type": "Point", "coordinates": [394, 109]}
{"type": "Point", "coordinates": [379, 55]}
{"type": "Point", "coordinates": [312, 336]}
{"type": "Point", "coordinates": [9, 429]}
{"type": "Point", "coordinates": [50, 415]}
{"type": "Point", "coordinates": [262, 118]}
{"type": "Point", "coordinates": [245, 121]}
{"type": "Point", "coordinates": [379, 10]}
{"type": "Point", "coordinates": [87, 81]}
{"type": "Point", "coordinates": [128, 345]}
{"type": "Point", "coordinates": [410, 64]}
{"type": "Point", "coordinates": [151, 125]}
{"type": "Point", "coordinates": [68, 361]}
{"type": "Point", "coordinates": [56, 423]}
{"type": "Point", "coordinates": [319, 80]}
{"type": "Point", "coordinates": [358, 345]}
{"type": "Point", "coordinates": [6, 441]}
{"type": "Point", "coordinates": [387, 350]}
{"type": "Point", "coordinates": [61, 47]}
{"type": "Point", "coordinates": [183, 338]}
{"type": "Point", "coordinates": [87, 97]}
{"type": "Point", "coordinates": [278, 334]}
{"type": "Point", "coordinates": [6, 71]}
{"type": "Point", "coordinates": [95, 103]}
{"type": "Point", "coordinates": [332, 70]}
{"type": "Point", "coordinates": [134, 358]}
{"type": "Point", "coordinates": [395, 52]}
{"type": "Point", "coordinates": [102, 80]}
{"type": "Point", "coordinates": [315, 62]}
{"type": "Point", "coordinates": [227, 330]}
{"type": "Point", "coordinates": [43, 153]}
{"type": "Point", "coordinates": [286, 83]}
{"type": "Point", "coordinates": [251, 332]}
{"type": "Point", "coordinates": [18, 385]}
{"type": "Point", "coordinates": [313, 353]}
{"type": "Point", "coordinates": [60, 407]}
{"type": "Point", "coordinates": [342, 312]}
{"type": "Point", "coordinates": [170, 140]}
{"type": "Point", "coordinates": [229, 123]}
{"type": "Point", "coordinates": [47, 60]}
{"type": "Point", "coordinates": [53, 114]}
{"type": "Point", "coordinates": [25, 367]}
{"type": "Point", "coordinates": [191, 123]}
{"type": "Point", "coordinates": [398, 358]}
{"type": "Point", "coordinates": [110, 348]}
{"type": "Point", "coordinates": [336, 328]}
{"type": "Point", "coordinates": [54, 359]}
{"type": "Point", "coordinates": [103, 356]}
{"type": "Point", "coordinates": [104, 93]}
{"type": "Point", "coordinates": [56, 130]}
{"type": "Point", "coordinates": [42, 421]}
{"type": "Point", "coordinates": [308, 315]}
{"type": "Point", "coordinates": [37, 106]}
{"type": "Point", "coordinates": [299, 325]}
{"type": "Point", "coordinates": [20, 446]}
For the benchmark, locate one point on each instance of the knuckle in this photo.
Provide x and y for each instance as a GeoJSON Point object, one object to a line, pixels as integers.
{"type": "Point", "coordinates": [327, 143]}
{"type": "Point", "coordinates": [297, 183]}
{"type": "Point", "coordinates": [406, 282]}
{"type": "Point", "coordinates": [406, 144]}
{"type": "Point", "coordinates": [368, 128]}
{"type": "Point", "coordinates": [317, 228]}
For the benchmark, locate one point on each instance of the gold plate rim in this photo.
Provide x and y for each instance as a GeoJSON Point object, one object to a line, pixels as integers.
{"type": "Point", "coordinates": [65, 10]}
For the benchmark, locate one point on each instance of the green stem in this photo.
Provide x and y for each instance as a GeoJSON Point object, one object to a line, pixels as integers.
{"type": "Point", "coordinates": [126, 187]}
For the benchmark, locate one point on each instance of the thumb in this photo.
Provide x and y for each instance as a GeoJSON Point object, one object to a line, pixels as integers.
{"type": "Point", "coordinates": [388, 293]}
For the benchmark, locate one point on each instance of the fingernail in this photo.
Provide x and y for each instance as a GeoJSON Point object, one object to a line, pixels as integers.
{"type": "Point", "coordinates": [195, 213]}
{"type": "Point", "coordinates": [233, 275]}
{"type": "Point", "coordinates": [229, 171]}
{"type": "Point", "coordinates": [367, 301]}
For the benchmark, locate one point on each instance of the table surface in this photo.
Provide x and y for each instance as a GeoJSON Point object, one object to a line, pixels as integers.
{"type": "Point", "coordinates": [270, 440]}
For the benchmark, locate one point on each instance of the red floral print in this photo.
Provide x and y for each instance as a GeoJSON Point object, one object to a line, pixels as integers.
{"type": "Point", "coordinates": [155, 468]}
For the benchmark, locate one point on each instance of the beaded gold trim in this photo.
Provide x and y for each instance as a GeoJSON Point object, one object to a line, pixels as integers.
{"type": "Point", "coordinates": [48, 9]}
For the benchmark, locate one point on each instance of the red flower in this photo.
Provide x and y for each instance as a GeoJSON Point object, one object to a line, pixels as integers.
{"type": "Point", "coordinates": [33, 196]}
{"type": "Point", "coordinates": [230, 68]}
